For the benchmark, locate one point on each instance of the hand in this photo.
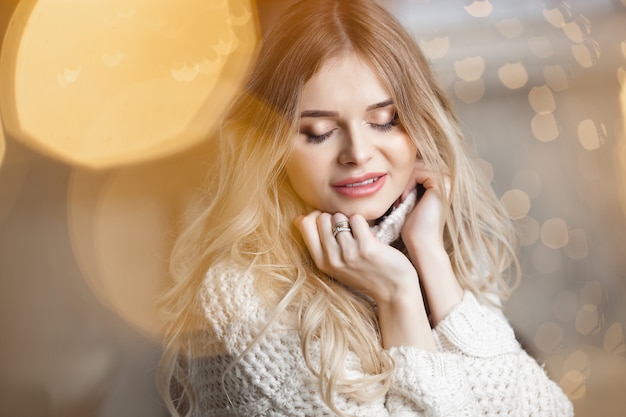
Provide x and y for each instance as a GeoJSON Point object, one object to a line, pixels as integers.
{"type": "Point", "coordinates": [422, 234]}
{"type": "Point", "coordinates": [357, 259]}
{"type": "Point", "coordinates": [423, 227]}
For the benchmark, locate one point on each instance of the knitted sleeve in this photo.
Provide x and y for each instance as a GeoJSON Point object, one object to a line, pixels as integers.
{"type": "Point", "coordinates": [234, 377]}
{"type": "Point", "coordinates": [480, 370]}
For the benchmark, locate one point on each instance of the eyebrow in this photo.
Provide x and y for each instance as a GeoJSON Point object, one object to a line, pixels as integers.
{"type": "Point", "coordinates": [326, 113]}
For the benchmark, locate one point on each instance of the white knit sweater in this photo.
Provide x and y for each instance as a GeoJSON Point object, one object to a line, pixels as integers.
{"type": "Point", "coordinates": [480, 369]}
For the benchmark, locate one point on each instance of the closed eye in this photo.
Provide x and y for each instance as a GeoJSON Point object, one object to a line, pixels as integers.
{"type": "Point", "coordinates": [385, 127]}
{"type": "Point", "coordinates": [311, 138]}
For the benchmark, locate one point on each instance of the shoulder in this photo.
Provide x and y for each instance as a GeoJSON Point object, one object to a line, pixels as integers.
{"type": "Point", "coordinates": [232, 307]}
{"type": "Point", "coordinates": [230, 291]}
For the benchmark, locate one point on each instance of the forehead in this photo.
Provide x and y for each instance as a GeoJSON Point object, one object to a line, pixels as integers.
{"type": "Point", "coordinates": [344, 80]}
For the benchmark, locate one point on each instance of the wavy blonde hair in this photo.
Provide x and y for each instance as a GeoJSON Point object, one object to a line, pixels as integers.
{"type": "Point", "coordinates": [247, 218]}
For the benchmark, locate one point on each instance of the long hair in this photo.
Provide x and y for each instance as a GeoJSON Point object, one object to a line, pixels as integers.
{"type": "Point", "coordinates": [247, 218]}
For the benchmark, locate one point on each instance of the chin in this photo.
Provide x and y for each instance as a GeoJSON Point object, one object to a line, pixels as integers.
{"type": "Point", "coordinates": [370, 214]}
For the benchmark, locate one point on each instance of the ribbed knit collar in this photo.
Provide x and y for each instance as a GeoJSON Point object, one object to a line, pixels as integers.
{"type": "Point", "coordinates": [388, 230]}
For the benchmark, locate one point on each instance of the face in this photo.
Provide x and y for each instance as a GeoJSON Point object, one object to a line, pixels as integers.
{"type": "Point", "coordinates": [350, 154]}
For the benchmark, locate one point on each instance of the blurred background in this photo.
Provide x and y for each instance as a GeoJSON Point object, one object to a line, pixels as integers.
{"type": "Point", "coordinates": [104, 107]}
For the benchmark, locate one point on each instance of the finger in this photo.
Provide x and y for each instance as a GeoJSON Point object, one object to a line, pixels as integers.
{"type": "Point", "coordinates": [307, 225]}
{"type": "Point", "coordinates": [329, 244]}
{"type": "Point", "coordinates": [341, 235]}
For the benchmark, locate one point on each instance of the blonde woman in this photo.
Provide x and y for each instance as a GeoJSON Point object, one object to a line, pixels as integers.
{"type": "Point", "coordinates": [349, 260]}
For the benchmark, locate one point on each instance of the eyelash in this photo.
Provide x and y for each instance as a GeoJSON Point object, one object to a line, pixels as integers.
{"type": "Point", "coordinates": [385, 127]}
{"type": "Point", "coordinates": [318, 138]}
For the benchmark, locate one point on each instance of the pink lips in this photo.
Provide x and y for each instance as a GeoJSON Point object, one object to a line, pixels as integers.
{"type": "Point", "coordinates": [362, 186]}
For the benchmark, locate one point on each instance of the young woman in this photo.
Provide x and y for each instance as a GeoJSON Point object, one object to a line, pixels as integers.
{"type": "Point", "coordinates": [349, 259]}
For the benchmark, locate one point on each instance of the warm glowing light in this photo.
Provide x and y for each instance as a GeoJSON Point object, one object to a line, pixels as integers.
{"type": "Point", "coordinates": [528, 229]}
{"type": "Point", "coordinates": [510, 28]}
{"type": "Point", "coordinates": [470, 68]}
{"type": "Point", "coordinates": [121, 83]}
{"type": "Point", "coordinates": [542, 100]}
{"type": "Point", "coordinates": [614, 339]}
{"type": "Point", "coordinates": [578, 361]}
{"type": "Point", "coordinates": [517, 203]}
{"type": "Point", "coordinates": [623, 46]}
{"type": "Point", "coordinates": [469, 91]}
{"type": "Point", "coordinates": [588, 320]}
{"type": "Point", "coordinates": [574, 32]}
{"type": "Point", "coordinates": [479, 8]}
{"type": "Point", "coordinates": [436, 48]}
{"type": "Point", "coordinates": [513, 76]}
{"type": "Point", "coordinates": [554, 233]}
{"type": "Point", "coordinates": [555, 77]}
{"type": "Point", "coordinates": [545, 127]}
{"type": "Point", "coordinates": [122, 226]}
{"type": "Point", "coordinates": [585, 55]}
{"type": "Point", "coordinates": [588, 135]}
{"type": "Point", "coordinates": [573, 384]}
{"type": "Point", "coordinates": [554, 17]}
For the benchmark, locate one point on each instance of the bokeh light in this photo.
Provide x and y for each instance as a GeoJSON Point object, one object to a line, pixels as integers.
{"type": "Point", "coordinates": [435, 48]}
{"type": "Point", "coordinates": [585, 55]}
{"type": "Point", "coordinates": [469, 91]}
{"type": "Point", "coordinates": [588, 320]}
{"type": "Point", "coordinates": [470, 68]}
{"type": "Point", "coordinates": [513, 75]}
{"type": "Point", "coordinates": [536, 86]}
{"type": "Point", "coordinates": [528, 230]}
{"type": "Point", "coordinates": [510, 28]}
{"type": "Point", "coordinates": [479, 8]}
{"type": "Point", "coordinates": [122, 226]}
{"type": "Point", "coordinates": [517, 203]}
{"type": "Point", "coordinates": [614, 341]}
{"type": "Point", "coordinates": [542, 100]}
{"type": "Point", "coordinates": [554, 17]}
{"type": "Point", "coordinates": [142, 80]}
{"type": "Point", "coordinates": [555, 77]}
{"type": "Point", "coordinates": [545, 127]}
{"type": "Point", "coordinates": [554, 233]}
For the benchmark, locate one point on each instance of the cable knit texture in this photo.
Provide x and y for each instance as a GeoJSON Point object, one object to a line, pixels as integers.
{"type": "Point", "coordinates": [479, 370]}
{"type": "Point", "coordinates": [388, 230]}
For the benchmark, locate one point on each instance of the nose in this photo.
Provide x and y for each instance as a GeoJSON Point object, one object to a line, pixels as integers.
{"type": "Point", "coordinates": [356, 148]}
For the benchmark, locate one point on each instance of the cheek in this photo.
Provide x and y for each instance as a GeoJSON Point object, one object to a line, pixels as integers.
{"type": "Point", "coordinates": [298, 170]}
{"type": "Point", "coordinates": [407, 156]}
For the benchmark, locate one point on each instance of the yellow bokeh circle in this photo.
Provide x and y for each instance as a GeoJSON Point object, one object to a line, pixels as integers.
{"type": "Point", "coordinates": [104, 83]}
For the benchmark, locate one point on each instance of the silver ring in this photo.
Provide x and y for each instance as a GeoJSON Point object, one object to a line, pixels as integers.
{"type": "Point", "coordinates": [342, 226]}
